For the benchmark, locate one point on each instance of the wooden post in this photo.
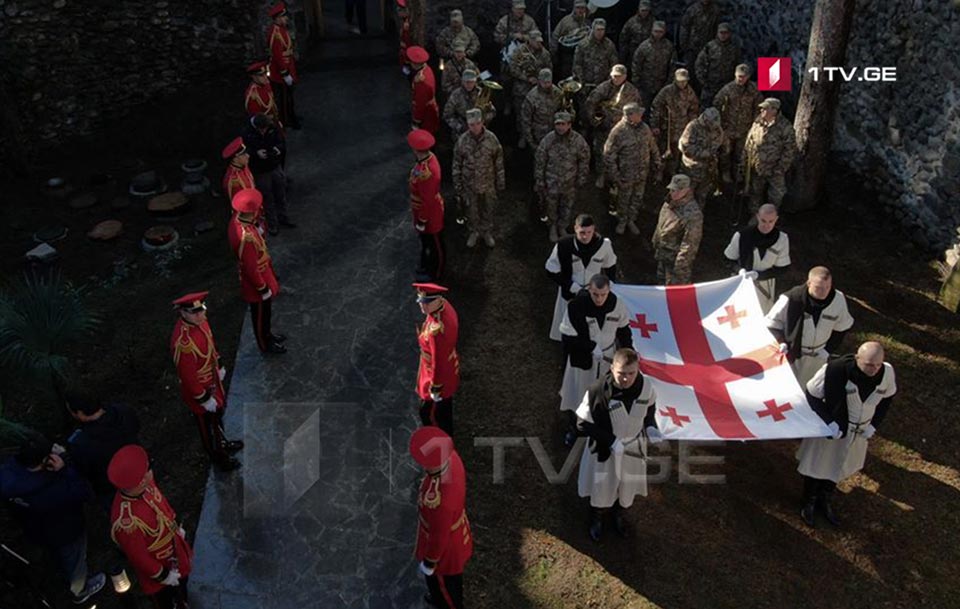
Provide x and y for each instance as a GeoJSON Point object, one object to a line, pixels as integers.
{"type": "Point", "coordinates": [816, 110]}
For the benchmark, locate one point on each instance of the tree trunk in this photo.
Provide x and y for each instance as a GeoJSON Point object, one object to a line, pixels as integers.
{"type": "Point", "coordinates": [814, 121]}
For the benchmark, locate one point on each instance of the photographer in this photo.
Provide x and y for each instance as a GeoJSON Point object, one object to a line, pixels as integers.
{"type": "Point", "coordinates": [267, 152]}
{"type": "Point", "coordinates": [46, 495]}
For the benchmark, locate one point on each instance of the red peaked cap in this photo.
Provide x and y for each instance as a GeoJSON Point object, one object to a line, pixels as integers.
{"type": "Point", "coordinates": [431, 447]}
{"type": "Point", "coordinates": [421, 139]}
{"type": "Point", "coordinates": [277, 9]}
{"type": "Point", "coordinates": [402, 3]}
{"type": "Point", "coordinates": [257, 66]}
{"type": "Point", "coordinates": [128, 466]}
{"type": "Point", "coordinates": [192, 301]}
{"type": "Point", "coordinates": [247, 201]}
{"type": "Point", "coordinates": [234, 148]}
{"type": "Point", "coordinates": [418, 55]}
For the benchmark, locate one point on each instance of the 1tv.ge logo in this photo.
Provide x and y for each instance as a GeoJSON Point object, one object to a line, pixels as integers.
{"type": "Point", "coordinates": [775, 74]}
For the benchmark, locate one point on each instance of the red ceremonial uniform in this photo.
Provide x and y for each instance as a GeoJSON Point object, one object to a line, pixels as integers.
{"type": "Point", "coordinates": [198, 365]}
{"type": "Point", "coordinates": [443, 534]}
{"type": "Point", "coordinates": [237, 178]}
{"type": "Point", "coordinates": [439, 363]}
{"type": "Point", "coordinates": [146, 529]}
{"type": "Point", "coordinates": [255, 265]}
{"type": "Point", "coordinates": [426, 202]}
{"type": "Point", "coordinates": [281, 53]}
{"type": "Point", "coordinates": [426, 113]}
{"type": "Point", "coordinates": [259, 100]}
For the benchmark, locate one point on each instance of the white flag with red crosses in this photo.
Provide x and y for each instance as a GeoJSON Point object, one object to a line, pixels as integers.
{"type": "Point", "coordinates": [718, 371]}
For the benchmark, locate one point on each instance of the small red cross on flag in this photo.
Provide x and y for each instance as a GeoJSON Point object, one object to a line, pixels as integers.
{"type": "Point", "coordinates": [677, 418]}
{"type": "Point", "coordinates": [641, 324]}
{"type": "Point", "coordinates": [732, 317]}
{"type": "Point", "coordinates": [773, 411]}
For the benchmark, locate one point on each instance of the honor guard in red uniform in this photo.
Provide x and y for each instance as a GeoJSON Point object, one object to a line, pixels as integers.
{"type": "Point", "coordinates": [145, 528]}
{"type": "Point", "coordinates": [406, 38]}
{"type": "Point", "coordinates": [444, 540]}
{"type": "Point", "coordinates": [426, 113]}
{"type": "Point", "coordinates": [258, 283]}
{"type": "Point", "coordinates": [258, 98]}
{"type": "Point", "coordinates": [426, 203]}
{"type": "Point", "coordinates": [439, 374]}
{"type": "Point", "coordinates": [201, 377]}
{"type": "Point", "coordinates": [238, 175]}
{"type": "Point", "coordinates": [283, 65]}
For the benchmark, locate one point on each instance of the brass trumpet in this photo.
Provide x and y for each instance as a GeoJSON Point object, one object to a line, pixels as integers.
{"type": "Point", "coordinates": [570, 87]}
{"type": "Point", "coordinates": [484, 101]}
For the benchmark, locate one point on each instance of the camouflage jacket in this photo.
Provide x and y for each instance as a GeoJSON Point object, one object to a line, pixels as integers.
{"type": "Point", "coordinates": [453, 74]}
{"type": "Point", "coordinates": [508, 26]}
{"type": "Point", "coordinates": [697, 26]}
{"type": "Point", "coordinates": [609, 99]}
{"type": "Point", "coordinates": [738, 107]}
{"type": "Point", "coordinates": [478, 164]}
{"type": "Point", "coordinates": [561, 163]}
{"type": "Point", "coordinates": [537, 111]}
{"type": "Point", "coordinates": [527, 63]}
{"type": "Point", "coordinates": [652, 64]}
{"type": "Point", "coordinates": [630, 152]}
{"type": "Point", "coordinates": [770, 149]}
{"type": "Point", "coordinates": [700, 142]}
{"type": "Point", "coordinates": [455, 110]}
{"type": "Point", "coordinates": [447, 37]}
{"type": "Point", "coordinates": [634, 32]}
{"type": "Point", "coordinates": [678, 105]}
{"type": "Point", "coordinates": [717, 62]}
{"type": "Point", "coordinates": [567, 25]}
{"type": "Point", "coordinates": [678, 233]}
{"type": "Point", "coordinates": [592, 60]}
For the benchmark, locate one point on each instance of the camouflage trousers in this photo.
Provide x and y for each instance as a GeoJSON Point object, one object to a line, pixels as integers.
{"type": "Point", "coordinates": [630, 199]}
{"type": "Point", "coordinates": [598, 139]}
{"type": "Point", "coordinates": [729, 161]}
{"type": "Point", "coordinates": [767, 189]}
{"type": "Point", "coordinates": [559, 206]}
{"type": "Point", "coordinates": [703, 177]}
{"type": "Point", "coordinates": [671, 273]}
{"type": "Point", "coordinates": [480, 208]}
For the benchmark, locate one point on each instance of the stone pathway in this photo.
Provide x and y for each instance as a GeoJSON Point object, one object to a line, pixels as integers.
{"type": "Point", "coordinates": [323, 512]}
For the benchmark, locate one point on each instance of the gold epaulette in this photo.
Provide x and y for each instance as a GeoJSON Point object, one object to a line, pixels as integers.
{"type": "Point", "coordinates": [185, 344]}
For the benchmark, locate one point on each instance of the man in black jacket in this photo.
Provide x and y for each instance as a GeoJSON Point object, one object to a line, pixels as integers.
{"type": "Point", "coordinates": [268, 149]}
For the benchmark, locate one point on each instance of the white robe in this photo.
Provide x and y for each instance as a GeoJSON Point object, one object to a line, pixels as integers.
{"type": "Point", "coordinates": [835, 318]}
{"type": "Point", "coordinates": [618, 478]}
{"type": "Point", "coordinates": [580, 275]}
{"type": "Point", "coordinates": [777, 255]}
{"type": "Point", "coordinates": [576, 381]}
{"type": "Point", "coordinates": [828, 459]}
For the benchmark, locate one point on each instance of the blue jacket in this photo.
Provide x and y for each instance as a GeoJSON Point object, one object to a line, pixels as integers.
{"type": "Point", "coordinates": [49, 505]}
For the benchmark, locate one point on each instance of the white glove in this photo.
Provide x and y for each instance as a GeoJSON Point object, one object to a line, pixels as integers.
{"type": "Point", "coordinates": [289, 80]}
{"type": "Point", "coordinates": [406, 70]}
{"type": "Point", "coordinates": [822, 353]}
{"type": "Point", "coordinates": [57, 449]}
{"type": "Point", "coordinates": [868, 431]}
{"type": "Point", "coordinates": [172, 578]}
{"type": "Point", "coordinates": [428, 571]}
{"type": "Point", "coordinates": [617, 447]}
{"type": "Point", "coordinates": [222, 373]}
{"type": "Point", "coordinates": [575, 287]}
{"type": "Point", "coordinates": [834, 430]}
{"type": "Point", "coordinates": [210, 405]}
{"type": "Point", "coordinates": [654, 436]}
{"type": "Point", "coordinates": [435, 396]}
{"type": "Point", "coordinates": [182, 533]}
{"type": "Point", "coordinates": [420, 227]}
{"type": "Point", "coordinates": [748, 274]}
{"type": "Point", "coordinates": [262, 153]}
{"type": "Point", "coordinates": [784, 347]}
{"type": "Point", "coordinates": [597, 353]}
{"type": "Point", "coordinates": [266, 295]}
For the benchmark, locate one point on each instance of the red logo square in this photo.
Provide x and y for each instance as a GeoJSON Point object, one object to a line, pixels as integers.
{"type": "Point", "coordinates": [774, 74]}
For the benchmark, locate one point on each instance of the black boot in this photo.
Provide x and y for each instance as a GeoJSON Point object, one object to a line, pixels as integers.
{"type": "Point", "coordinates": [826, 494]}
{"type": "Point", "coordinates": [232, 446]}
{"type": "Point", "coordinates": [808, 513]}
{"type": "Point", "coordinates": [596, 523]}
{"type": "Point", "coordinates": [619, 522]}
{"type": "Point", "coordinates": [225, 463]}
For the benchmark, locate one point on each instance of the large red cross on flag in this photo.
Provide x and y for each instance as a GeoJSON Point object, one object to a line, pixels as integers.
{"type": "Point", "coordinates": [716, 368]}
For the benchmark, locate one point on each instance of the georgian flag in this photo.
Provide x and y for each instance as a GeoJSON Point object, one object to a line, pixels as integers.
{"type": "Point", "coordinates": [718, 371]}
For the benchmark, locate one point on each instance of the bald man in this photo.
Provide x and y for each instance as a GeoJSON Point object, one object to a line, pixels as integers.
{"type": "Point", "coordinates": [852, 394]}
{"type": "Point", "coordinates": [810, 321]}
{"type": "Point", "coordinates": [764, 248]}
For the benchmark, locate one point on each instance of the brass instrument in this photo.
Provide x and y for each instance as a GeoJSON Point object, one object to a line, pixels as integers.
{"type": "Point", "coordinates": [570, 86]}
{"type": "Point", "coordinates": [484, 101]}
{"type": "Point", "coordinates": [575, 37]}
{"type": "Point", "coordinates": [600, 112]}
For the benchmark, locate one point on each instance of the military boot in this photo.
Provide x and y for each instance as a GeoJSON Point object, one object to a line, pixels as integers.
{"type": "Point", "coordinates": [634, 229]}
{"type": "Point", "coordinates": [621, 226]}
{"type": "Point", "coordinates": [553, 233]}
{"type": "Point", "coordinates": [596, 523]}
{"type": "Point", "coordinates": [828, 511]}
{"type": "Point", "coordinates": [808, 512]}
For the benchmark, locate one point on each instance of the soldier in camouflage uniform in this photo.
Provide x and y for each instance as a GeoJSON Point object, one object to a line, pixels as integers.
{"type": "Point", "coordinates": [738, 102]}
{"type": "Point", "coordinates": [515, 25]}
{"type": "Point", "coordinates": [653, 62]}
{"type": "Point", "coordinates": [561, 165]}
{"type": "Point", "coordinates": [571, 24]}
{"type": "Point", "coordinates": [635, 31]}
{"type": "Point", "coordinates": [594, 57]}
{"type": "Point", "coordinates": [478, 176]}
{"type": "Point", "coordinates": [629, 155]}
{"type": "Point", "coordinates": [697, 27]}
{"type": "Point", "coordinates": [525, 65]}
{"type": "Point", "coordinates": [606, 103]}
{"type": "Point", "coordinates": [457, 32]}
{"type": "Point", "coordinates": [537, 113]}
{"type": "Point", "coordinates": [700, 145]}
{"type": "Point", "coordinates": [453, 70]}
{"type": "Point", "coordinates": [679, 230]}
{"type": "Point", "coordinates": [673, 107]}
{"type": "Point", "coordinates": [716, 61]}
{"type": "Point", "coordinates": [768, 152]}
{"type": "Point", "coordinates": [461, 100]}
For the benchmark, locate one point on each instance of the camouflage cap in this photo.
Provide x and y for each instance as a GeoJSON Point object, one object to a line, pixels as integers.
{"type": "Point", "coordinates": [679, 182]}
{"type": "Point", "coordinates": [632, 108]}
{"type": "Point", "coordinates": [711, 114]}
{"type": "Point", "coordinates": [724, 27]}
{"type": "Point", "coordinates": [562, 117]}
{"type": "Point", "coordinates": [660, 25]}
{"type": "Point", "coordinates": [468, 75]}
{"type": "Point", "coordinates": [519, 4]}
{"type": "Point", "coordinates": [771, 102]}
{"type": "Point", "coordinates": [456, 15]}
{"type": "Point", "coordinates": [644, 4]}
{"type": "Point", "coordinates": [545, 75]}
{"type": "Point", "coordinates": [579, 3]}
{"type": "Point", "coordinates": [459, 46]}
{"type": "Point", "coordinates": [474, 115]}
{"type": "Point", "coordinates": [599, 22]}
{"type": "Point", "coordinates": [535, 35]}
{"type": "Point", "coordinates": [743, 69]}
{"type": "Point", "coordinates": [618, 70]}
{"type": "Point", "coordinates": [681, 74]}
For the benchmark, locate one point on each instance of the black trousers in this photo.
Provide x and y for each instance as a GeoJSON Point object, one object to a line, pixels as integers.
{"type": "Point", "coordinates": [171, 597]}
{"type": "Point", "coordinates": [446, 590]}
{"type": "Point", "coordinates": [433, 254]}
{"type": "Point", "coordinates": [360, 6]}
{"type": "Point", "coordinates": [211, 434]}
{"type": "Point", "coordinates": [438, 414]}
{"type": "Point", "coordinates": [260, 313]}
{"type": "Point", "coordinates": [816, 489]}
{"type": "Point", "coordinates": [283, 96]}
{"type": "Point", "coordinates": [273, 186]}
